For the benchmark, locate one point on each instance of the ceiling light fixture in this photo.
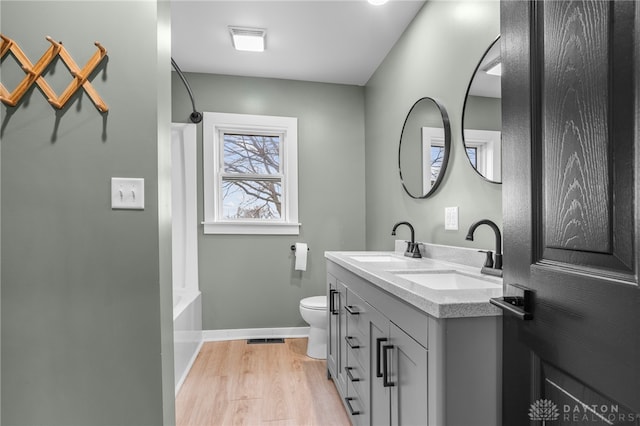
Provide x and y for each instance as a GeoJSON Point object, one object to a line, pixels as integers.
{"type": "Point", "coordinates": [248, 39]}
{"type": "Point", "coordinates": [377, 2]}
{"type": "Point", "coordinates": [495, 70]}
{"type": "Point", "coordinates": [494, 67]}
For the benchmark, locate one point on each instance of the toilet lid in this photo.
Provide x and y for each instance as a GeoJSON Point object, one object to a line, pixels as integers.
{"type": "Point", "coordinates": [315, 302]}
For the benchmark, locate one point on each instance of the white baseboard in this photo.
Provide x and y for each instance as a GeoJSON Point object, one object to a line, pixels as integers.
{"type": "Point", "coordinates": [254, 333]}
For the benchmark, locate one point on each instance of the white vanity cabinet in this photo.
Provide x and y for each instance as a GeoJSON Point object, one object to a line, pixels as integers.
{"type": "Point", "coordinates": [402, 366]}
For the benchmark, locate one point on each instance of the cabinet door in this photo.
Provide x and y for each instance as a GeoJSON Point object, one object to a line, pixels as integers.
{"type": "Point", "coordinates": [333, 339]}
{"type": "Point", "coordinates": [379, 395]}
{"type": "Point", "coordinates": [333, 330]}
{"type": "Point", "coordinates": [336, 350]}
{"type": "Point", "coordinates": [408, 375]}
{"type": "Point", "coordinates": [341, 299]}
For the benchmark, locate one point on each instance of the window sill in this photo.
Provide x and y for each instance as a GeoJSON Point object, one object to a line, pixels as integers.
{"type": "Point", "coordinates": [251, 228]}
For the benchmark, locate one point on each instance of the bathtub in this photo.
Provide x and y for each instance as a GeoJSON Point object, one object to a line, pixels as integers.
{"type": "Point", "coordinates": [187, 332]}
{"type": "Point", "coordinates": [187, 302]}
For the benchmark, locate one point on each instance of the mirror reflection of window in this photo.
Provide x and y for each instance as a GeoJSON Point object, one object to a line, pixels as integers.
{"type": "Point", "coordinates": [437, 155]}
{"type": "Point", "coordinates": [433, 154]}
{"type": "Point", "coordinates": [487, 148]}
{"type": "Point", "coordinates": [472, 153]}
{"type": "Point", "coordinates": [424, 147]}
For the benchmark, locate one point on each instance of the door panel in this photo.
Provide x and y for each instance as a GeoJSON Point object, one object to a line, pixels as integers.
{"type": "Point", "coordinates": [380, 413]}
{"type": "Point", "coordinates": [579, 404]}
{"type": "Point", "coordinates": [584, 134]}
{"type": "Point", "coordinates": [409, 374]}
{"type": "Point", "coordinates": [570, 120]}
{"type": "Point", "coordinates": [574, 139]}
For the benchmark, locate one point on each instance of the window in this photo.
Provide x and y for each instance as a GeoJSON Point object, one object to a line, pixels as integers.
{"type": "Point", "coordinates": [472, 154]}
{"type": "Point", "coordinates": [250, 174]}
{"type": "Point", "coordinates": [433, 153]}
{"type": "Point", "coordinates": [484, 150]}
{"type": "Point", "coordinates": [437, 157]}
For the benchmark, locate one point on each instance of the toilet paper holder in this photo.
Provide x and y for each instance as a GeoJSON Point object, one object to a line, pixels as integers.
{"type": "Point", "coordinates": [293, 247]}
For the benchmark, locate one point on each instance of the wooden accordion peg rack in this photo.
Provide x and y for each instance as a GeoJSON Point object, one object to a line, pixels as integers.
{"type": "Point", "coordinates": [33, 74]}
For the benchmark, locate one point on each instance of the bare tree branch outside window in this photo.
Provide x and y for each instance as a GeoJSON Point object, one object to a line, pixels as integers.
{"type": "Point", "coordinates": [252, 177]}
{"type": "Point", "coordinates": [472, 153]}
{"type": "Point", "coordinates": [437, 156]}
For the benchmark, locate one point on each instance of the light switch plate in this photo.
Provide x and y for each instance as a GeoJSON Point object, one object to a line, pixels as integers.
{"type": "Point", "coordinates": [451, 218]}
{"type": "Point", "coordinates": [127, 193]}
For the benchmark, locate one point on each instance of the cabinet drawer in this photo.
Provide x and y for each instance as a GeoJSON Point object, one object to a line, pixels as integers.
{"type": "Point", "coordinates": [357, 381]}
{"type": "Point", "coordinates": [354, 331]}
{"type": "Point", "coordinates": [355, 407]}
{"type": "Point", "coordinates": [356, 349]}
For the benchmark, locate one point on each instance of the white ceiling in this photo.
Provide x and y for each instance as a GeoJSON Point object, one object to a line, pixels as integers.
{"type": "Point", "coordinates": [332, 41]}
{"type": "Point", "coordinates": [484, 84]}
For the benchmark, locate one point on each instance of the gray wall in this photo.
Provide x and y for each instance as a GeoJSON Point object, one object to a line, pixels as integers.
{"type": "Point", "coordinates": [249, 281]}
{"type": "Point", "coordinates": [435, 57]}
{"type": "Point", "coordinates": [86, 311]}
{"type": "Point", "coordinates": [483, 113]}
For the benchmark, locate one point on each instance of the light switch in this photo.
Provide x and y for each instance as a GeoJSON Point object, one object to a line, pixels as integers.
{"type": "Point", "coordinates": [127, 193]}
{"type": "Point", "coordinates": [451, 218]}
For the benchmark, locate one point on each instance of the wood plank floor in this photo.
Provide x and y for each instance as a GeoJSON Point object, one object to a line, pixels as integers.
{"type": "Point", "coordinates": [232, 383]}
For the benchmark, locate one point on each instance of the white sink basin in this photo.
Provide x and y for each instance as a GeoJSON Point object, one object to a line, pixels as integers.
{"type": "Point", "coordinates": [377, 258]}
{"type": "Point", "coordinates": [448, 280]}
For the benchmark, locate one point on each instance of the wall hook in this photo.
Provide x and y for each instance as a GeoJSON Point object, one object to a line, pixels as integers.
{"type": "Point", "coordinates": [34, 74]}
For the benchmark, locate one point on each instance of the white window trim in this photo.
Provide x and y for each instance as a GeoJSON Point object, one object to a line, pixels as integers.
{"type": "Point", "coordinates": [431, 136]}
{"type": "Point", "coordinates": [214, 123]}
{"type": "Point", "coordinates": [488, 143]}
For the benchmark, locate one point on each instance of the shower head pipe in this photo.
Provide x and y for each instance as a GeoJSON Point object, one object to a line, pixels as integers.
{"type": "Point", "coordinates": [195, 116]}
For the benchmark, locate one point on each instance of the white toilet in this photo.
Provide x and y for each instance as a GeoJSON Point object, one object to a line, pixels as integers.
{"type": "Point", "coordinates": [314, 312]}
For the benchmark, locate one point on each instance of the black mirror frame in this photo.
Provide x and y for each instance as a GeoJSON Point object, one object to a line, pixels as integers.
{"type": "Point", "coordinates": [464, 109]}
{"type": "Point", "coordinates": [447, 147]}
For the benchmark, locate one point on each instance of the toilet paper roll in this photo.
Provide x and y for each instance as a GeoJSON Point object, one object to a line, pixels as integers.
{"type": "Point", "coordinates": [301, 257]}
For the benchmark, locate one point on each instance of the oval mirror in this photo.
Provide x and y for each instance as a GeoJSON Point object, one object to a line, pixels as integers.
{"type": "Point", "coordinates": [424, 147]}
{"type": "Point", "coordinates": [482, 116]}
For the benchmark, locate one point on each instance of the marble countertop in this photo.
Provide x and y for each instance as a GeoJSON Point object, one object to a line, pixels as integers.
{"type": "Point", "coordinates": [439, 303]}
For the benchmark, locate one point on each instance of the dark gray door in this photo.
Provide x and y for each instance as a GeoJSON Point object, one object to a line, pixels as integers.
{"type": "Point", "coordinates": [571, 217]}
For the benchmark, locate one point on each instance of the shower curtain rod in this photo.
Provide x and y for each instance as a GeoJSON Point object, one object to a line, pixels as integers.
{"type": "Point", "coordinates": [195, 116]}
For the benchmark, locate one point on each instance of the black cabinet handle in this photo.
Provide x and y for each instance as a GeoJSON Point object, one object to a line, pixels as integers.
{"type": "Point", "coordinates": [385, 367]}
{"type": "Point", "coordinates": [351, 345]}
{"type": "Point", "coordinates": [378, 341]}
{"type": "Point", "coordinates": [351, 410]}
{"type": "Point", "coordinates": [349, 309]}
{"type": "Point", "coordinates": [331, 291]}
{"type": "Point", "coordinates": [332, 302]}
{"type": "Point", "coordinates": [350, 375]}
